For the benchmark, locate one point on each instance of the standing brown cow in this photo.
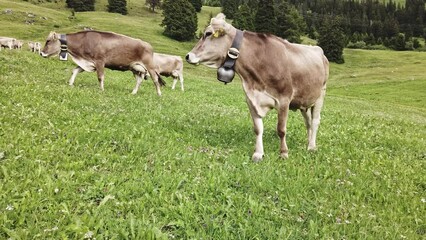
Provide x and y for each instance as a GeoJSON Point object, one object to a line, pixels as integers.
{"type": "Point", "coordinates": [274, 73]}
{"type": "Point", "coordinates": [95, 51]}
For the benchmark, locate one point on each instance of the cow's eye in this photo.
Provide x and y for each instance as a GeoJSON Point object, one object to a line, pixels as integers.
{"type": "Point", "coordinates": [208, 34]}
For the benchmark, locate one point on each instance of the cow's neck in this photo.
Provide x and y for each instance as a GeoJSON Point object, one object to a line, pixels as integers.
{"type": "Point", "coordinates": [72, 43]}
{"type": "Point", "coordinates": [226, 72]}
{"type": "Point", "coordinates": [64, 48]}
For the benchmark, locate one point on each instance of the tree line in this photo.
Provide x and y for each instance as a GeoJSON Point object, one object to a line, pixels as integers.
{"type": "Point", "coordinates": [363, 22]}
{"type": "Point", "coordinates": [335, 24]}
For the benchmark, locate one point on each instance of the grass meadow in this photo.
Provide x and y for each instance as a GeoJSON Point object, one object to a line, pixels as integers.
{"type": "Point", "coordinates": [78, 163]}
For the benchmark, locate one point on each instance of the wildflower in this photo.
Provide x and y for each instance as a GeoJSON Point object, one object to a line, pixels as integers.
{"type": "Point", "coordinates": [88, 235]}
{"type": "Point", "coordinates": [423, 200]}
{"type": "Point", "coordinates": [9, 207]}
{"type": "Point", "coordinates": [56, 190]}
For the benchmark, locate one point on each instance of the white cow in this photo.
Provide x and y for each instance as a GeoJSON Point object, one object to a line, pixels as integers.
{"type": "Point", "coordinates": [18, 44]}
{"type": "Point", "coordinates": [34, 46]}
{"type": "Point", "coordinates": [169, 65]}
{"type": "Point", "coordinates": [7, 42]}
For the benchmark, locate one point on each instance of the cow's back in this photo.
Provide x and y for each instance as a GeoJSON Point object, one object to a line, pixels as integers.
{"type": "Point", "coordinates": [114, 50]}
{"type": "Point", "coordinates": [168, 64]}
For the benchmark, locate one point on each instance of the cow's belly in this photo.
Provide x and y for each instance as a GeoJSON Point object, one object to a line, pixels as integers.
{"type": "Point", "coordinates": [259, 101]}
{"type": "Point", "coordinates": [88, 66]}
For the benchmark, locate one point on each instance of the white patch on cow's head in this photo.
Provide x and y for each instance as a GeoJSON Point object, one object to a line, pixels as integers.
{"type": "Point", "coordinates": [212, 48]}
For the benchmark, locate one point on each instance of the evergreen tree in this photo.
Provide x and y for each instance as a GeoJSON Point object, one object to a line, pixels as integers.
{"type": "Point", "coordinates": [153, 4]}
{"type": "Point", "coordinates": [180, 19]}
{"type": "Point", "coordinates": [332, 39]}
{"type": "Point", "coordinates": [81, 5]}
{"type": "Point", "coordinates": [265, 21]}
{"type": "Point", "coordinates": [244, 18]}
{"type": "Point", "coordinates": [197, 4]}
{"type": "Point", "coordinates": [117, 6]}
{"type": "Point", "coordinates": [290, 24]}
{"type": "Point", "coordinates": [229, 8]}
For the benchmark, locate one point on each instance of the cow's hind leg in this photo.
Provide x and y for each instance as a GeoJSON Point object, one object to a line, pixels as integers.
{"type": "Point", "coordinates": [316, 117]}
{"type": "Point", "coordinates": [282, 127]}
{"type": "Point", "coordinates": [138, 77]}
{"type": "Point", "coordinates": [75, 71]}
{"type": "Point", "coordinates": [100, 70]}
{"type": "Point", "coordinates": [307, 116]}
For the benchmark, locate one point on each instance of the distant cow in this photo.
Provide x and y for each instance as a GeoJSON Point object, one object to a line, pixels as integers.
{"type": "Point", "coordinates": [274, 73]}
{"type": "Point", "coordinates": [18, 44]}
{"type": "Point", "coordinates": [169, 65]}
{"type": "Point", "coordinates": [7, 42]}
{"type": "Point", "coordinates": [34, 46]}
{"type": "Point", "coordinates": [95, 51]}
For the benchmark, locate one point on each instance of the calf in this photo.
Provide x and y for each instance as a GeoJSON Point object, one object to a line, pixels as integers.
{"type": "Point", "coordinates": [274, 72]}
{"type": "Point", "coordinates": [95, 51]}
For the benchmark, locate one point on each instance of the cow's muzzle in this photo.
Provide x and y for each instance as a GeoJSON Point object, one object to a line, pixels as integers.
{"type": "Point", "coordinates": [44, 54]}
{"type": "Point", "coordinates": [192, 59]}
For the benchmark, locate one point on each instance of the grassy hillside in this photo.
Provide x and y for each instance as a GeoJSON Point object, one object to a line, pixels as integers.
{"type": "Point", "coordinates": [78, 163]}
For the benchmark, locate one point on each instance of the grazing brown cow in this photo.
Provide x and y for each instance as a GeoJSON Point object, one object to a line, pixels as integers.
{"type": "Point", "coordinates": [274, 73]}
{"type": "Point", "coordinates": [95, 51]}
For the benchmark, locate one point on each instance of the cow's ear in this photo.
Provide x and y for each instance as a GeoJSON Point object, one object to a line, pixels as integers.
{"type": "Point", "coordinates": [55, 36]}
{"type": "Point", "coordinates": [220, 16]}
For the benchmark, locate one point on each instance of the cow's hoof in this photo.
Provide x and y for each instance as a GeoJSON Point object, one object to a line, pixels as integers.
{"type": "Point", "coordinates": [257, 157]}
{"type": "Point", "coordinates": [284, 155]}
{"type": "Point", "coordinates": [312, 148]}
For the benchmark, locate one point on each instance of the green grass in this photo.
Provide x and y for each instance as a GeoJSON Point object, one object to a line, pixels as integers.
{"type": "Point", "coordinates": [76, 162]}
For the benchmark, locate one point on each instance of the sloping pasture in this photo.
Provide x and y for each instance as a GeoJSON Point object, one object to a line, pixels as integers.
{"type": "Point", "coordinates": [80, 163]}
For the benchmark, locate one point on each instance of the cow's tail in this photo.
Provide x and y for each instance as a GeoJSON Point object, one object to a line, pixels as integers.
{"type": "Point", "coordinates": [160, 80]}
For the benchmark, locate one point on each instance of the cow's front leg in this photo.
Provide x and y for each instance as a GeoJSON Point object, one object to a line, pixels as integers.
{"type": "Point", "coordinates": [282, 127]}
{"type": "Point", "coordinates": [138, 77]}
{"type": "Point", "coordinates": [258, 130]}
{"type": "Point", "coordinates": [75, 71]}
{"type": "Point", "coordinates": [181, 81]}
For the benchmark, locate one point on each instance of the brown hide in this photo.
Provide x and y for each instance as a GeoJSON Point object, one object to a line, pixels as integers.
{"type": "Point", "coordinates": [115, 51]}
{"type": "Point", "coordinates": [95, 50]}
{"type": "Point", "coordinates": [274, 73]}
{"type": "Point", "coordinates": [282, 69]}
{"type": "Point", "coordinates": [168, 65]}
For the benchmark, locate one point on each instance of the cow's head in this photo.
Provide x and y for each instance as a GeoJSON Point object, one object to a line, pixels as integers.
{"type": "Point", "coordinates": [52, 45]}
{"type": "Point", "coordinates": [212, 48]}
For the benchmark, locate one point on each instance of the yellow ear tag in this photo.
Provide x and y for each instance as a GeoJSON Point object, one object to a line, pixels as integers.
{"type": "Point", "coordinates": [219, 33]}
